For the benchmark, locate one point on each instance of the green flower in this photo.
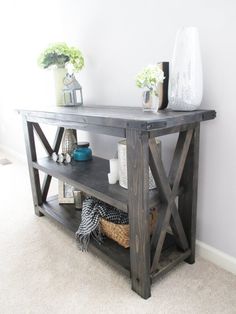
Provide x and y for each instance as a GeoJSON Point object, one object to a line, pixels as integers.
{"type": "Point", "coordinates": [150, 77]}
{"type": "Point", "coordinates": [59, 54]}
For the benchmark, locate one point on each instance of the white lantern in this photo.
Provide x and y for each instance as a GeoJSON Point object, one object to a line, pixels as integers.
{"type": "Point", "coordinates": [72, 91]}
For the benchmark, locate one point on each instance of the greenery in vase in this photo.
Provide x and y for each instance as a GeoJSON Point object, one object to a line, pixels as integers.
{"type": "Point", "coordinates": [150, 77]}
{"type": "Point", "coordinates": [59, 55]}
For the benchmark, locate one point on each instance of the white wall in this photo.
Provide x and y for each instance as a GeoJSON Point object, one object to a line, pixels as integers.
{"type": "Point", "coordinates": [118, 38]}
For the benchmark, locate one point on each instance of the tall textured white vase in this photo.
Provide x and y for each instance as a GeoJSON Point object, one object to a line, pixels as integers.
{"type": "Point", "coordinates": [185, 83]}
{"type": "Point", "coordinates": [58, 76]}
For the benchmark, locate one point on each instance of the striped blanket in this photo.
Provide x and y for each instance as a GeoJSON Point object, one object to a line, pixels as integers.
{"type": "Point", "coordinates": [92, 210]}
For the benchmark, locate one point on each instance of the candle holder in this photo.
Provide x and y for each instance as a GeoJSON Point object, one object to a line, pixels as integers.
{"type": "Point", "coordinates": [113, 176]}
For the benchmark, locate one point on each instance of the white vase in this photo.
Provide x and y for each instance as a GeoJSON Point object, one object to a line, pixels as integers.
{"type": "Point", "coordinates": [58, 75]}
{"type": "Point", "coordinates": [185, 84]}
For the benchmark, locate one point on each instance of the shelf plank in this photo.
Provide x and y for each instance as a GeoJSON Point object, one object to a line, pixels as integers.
{"type": "Point", "coordinates": [91, 178]}
{"type": "Point", "coordinates": [69, 217]}
{"type": "Point", "coordinates": [109, 250]}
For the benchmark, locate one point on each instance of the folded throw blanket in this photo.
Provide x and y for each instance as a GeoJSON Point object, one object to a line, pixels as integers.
{"type": "Point", "coordinates": [92, 210]}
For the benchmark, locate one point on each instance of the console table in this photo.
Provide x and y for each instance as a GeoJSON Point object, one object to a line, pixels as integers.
{"type": "Point", "coordinates": [173, 239]}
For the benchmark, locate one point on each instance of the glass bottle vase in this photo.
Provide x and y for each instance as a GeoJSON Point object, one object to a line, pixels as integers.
{"type": "Point", "coordinates": [150, 101]}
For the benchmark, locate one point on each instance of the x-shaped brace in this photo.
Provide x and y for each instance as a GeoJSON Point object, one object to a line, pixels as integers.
{"type": "Point", "coordinates": [168, 188]}
{"type": "Point", "coordinates": [50, 150]}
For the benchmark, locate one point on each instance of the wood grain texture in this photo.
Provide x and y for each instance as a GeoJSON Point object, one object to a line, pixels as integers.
{"type": "Point", "coordinates": [58, 139]}
{"type": "Point", "coordinates": [32, 157]}
{"type": "Point", "coordinates": [167, 194]}
{"type": "Point", "coordinates": [45, 186]}
{"type": "Point", "coordinates": [139, 128]}
{"type": "Point", "coordinates": [188, 200]}
{"type": "Point", "coordinates": [169, 259]}
{"type": "Point", "coordinates": [173, 129]}
{"type": "Point", "coordinates": [70, 218]}
{"type": "Point", "coordinates": [138, 201]}
{"type": "Point", "coordinates": [175, 174]}
{"type": "Point", "coordinates": [91, 178]}
{"type": "Point", "coordinates": [43, 138]}
{"type": "Point", "coordinates": [48, 178]}
{"type": "Point", "coordinates": [114, 254]}
{"type": "Point", "coordinates": [115, 118]}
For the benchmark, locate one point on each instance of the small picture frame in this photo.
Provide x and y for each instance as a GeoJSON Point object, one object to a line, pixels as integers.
{"type": "Point", "coordinates": [65, 193]}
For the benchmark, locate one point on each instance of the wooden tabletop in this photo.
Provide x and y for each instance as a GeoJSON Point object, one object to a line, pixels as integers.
{"type": "Point", "coordinates": [118, 117]}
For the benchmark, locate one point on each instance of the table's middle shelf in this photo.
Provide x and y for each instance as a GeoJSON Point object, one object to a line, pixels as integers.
{"type": "Point", "coordinates": [91, 178]}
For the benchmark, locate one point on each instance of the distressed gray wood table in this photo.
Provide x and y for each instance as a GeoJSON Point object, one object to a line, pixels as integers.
{"type": "Point", "coordinates": [173, 239]}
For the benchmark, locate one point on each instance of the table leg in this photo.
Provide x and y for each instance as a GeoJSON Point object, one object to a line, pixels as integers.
{"type": "Point", "coordinates": [32, 156]}
{"type": "Point", "coordinates": [138, 194]}
{"type": "Point", "coordinates": [188, 199]}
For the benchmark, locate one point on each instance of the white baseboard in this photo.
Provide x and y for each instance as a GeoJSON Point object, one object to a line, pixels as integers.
{"type": "Point", "coordinates": [12, 153]}
{"type": "Point", "coordinates": [217, 257]}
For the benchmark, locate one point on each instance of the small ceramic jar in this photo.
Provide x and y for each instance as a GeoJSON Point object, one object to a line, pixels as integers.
{"type": "Point", "coordinates": [82, 152]}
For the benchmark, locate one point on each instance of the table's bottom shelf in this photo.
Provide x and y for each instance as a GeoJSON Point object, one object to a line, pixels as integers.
{"type": "Point", "coordinates": [110, 250]}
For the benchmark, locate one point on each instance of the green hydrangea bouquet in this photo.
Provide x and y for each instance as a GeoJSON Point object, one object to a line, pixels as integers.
{"type": "Point", "coordinates": [150, 77]}
{"type": "Point", "coordinates": [59, 55]}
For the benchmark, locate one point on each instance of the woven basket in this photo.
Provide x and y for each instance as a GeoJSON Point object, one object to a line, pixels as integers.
{"type": "Point", "coordinates": [120, 233]}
